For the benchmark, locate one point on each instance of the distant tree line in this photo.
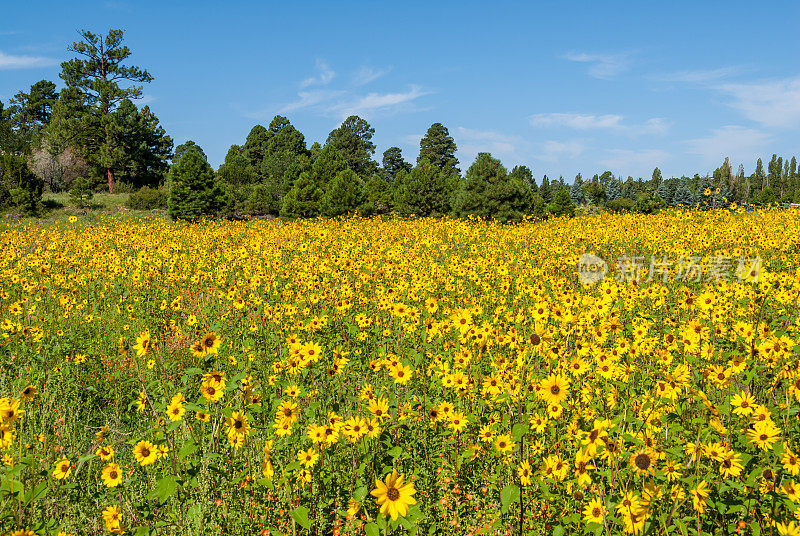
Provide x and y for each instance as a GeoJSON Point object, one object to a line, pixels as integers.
{"type": "Point", "coordinates": [91, 136]}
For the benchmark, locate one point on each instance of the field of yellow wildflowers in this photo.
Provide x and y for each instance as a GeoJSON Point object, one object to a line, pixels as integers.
{"type": "Point", "coordinates": [369, 376]}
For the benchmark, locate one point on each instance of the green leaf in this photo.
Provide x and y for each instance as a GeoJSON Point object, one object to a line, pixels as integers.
{"type": "Point", "coordinates": [300, 515]}
{"type": "Point", "coordinates": [508, 495]}
{"type": "Point", "coordinates": [372, 529]}
{"type": "Point", "coordinates": [360, 494]}
{"type": "Point", "coordinates": [187, 450]}
{"type": "Point", "coordinates": [518, 431]}
{"type": "Point", "coordinates": [558, 530]}
{"type": "Point", "coordinates": [165, 488]}
{"type": "Point", "coordinates": [396, 452]}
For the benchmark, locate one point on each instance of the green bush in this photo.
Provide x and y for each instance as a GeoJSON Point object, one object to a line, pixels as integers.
{"type": "Point", "coordinates": [622, 204]}
{"type": "Point", "coordinates": [19, 186]}
{"type": "Point", "coordinates": [261, 201]}
{"type": "Point", "coordinates": [82, 192]}
{"type": "Point", "coordinates": [193, 192]}
{"type": "Point", "coordinates": [147, 199]}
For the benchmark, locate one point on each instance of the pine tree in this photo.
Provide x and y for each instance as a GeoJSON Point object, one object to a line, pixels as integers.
{"type": "Point", "coordinates": [255, 146]}
{"type": "Point", "coordinates": [353, 142]}
{"type": "Point", "coordinates": [193, 192]}
{"type": "Point", "coordinates": [487, 192]}
{"type": "Point", "coordinates": [393, 163]}
{"type": "Point", "coordinates": [425, 191]}
{"type": "Point", "coordinates": [757, 181]}
{"type": "Point", "coordinates": [439, 148]}
{"type": "Point", "coordinates": [613, 191]}
{"type": "Point", "coordinates": [545, 192]}
{"type": "Point", "coordinates": [683, 196]}
{"type": "Point", "coordinates": [562, 204]}
{"type": "Point", "coordinates": [19, 186]}
{"type": "Point", "coordinates": [343, 195]}
{"type": "Point", "coordinates": [576, 192]}
{"type": "Point", "coordinates": [302, 200]}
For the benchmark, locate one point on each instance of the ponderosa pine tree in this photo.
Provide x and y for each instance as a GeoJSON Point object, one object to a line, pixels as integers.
{"type": "Point", "coordinates": [352, 140]}
{"type": "Point", "coordinates": [393, 163]}
{"type": "Point", "coordinates": [96, 74]}
{"type": "Point", "coordinates": [425, 191]}
{"type": "Point", "coordinates": [193, 192]}
{"type": "Point", "coordinates": [184, 147]}
{"type": "Point", "coordinates": [439, 148]}
{"type": "Point", "coordinates": [487, 192]}
{"type": "Point", "coordinates": [343, 194]}
{"type": "Point", "coordinates": [19, 186]}
{"type": "Point", "coordinates": [29, 114]}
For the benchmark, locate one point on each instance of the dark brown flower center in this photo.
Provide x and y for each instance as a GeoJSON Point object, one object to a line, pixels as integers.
{"type": "Point", "coordinates": [642, 461]}
{"type": "Point", "coordinates": [392, 493]}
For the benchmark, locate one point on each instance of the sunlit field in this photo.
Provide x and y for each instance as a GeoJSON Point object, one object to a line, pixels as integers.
{"type": "Point", "coordinates": [389, 376]}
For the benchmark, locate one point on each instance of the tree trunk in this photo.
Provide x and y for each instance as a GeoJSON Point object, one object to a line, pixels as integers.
{"type": "Point", "coordinates": [110, 180]}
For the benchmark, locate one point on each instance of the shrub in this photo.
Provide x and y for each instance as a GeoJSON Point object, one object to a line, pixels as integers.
{"type": "Point", "coordinates": [193, 192]}
{"type": "Point", "coordinates": [260, 201]}
{"type": "Point", "coordinates": [147, 199]}
{"type": "Point", "coordinates": [81, 192]}
{"type": "Point", "coordinates": [19, 186]}
{"type": "Point", "coordinates": [622, 204]}
{"type": "Point", "coordinates": [562, 204]}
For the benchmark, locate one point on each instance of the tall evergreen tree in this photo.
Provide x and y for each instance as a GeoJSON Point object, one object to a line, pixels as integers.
{"type": "Point", "coordinates": [488, 192]}
{"type": "Point", "coordinates": [439, 148]}
{"type": "Point", "coordinates": [524, 174]}
{"type": "Point", "coordinates": [656, 178]}
{"type": "Point", "coordinates": [96, 74]}
{"type": "Point", "coordinates": [393, 163]}
{"type": "Point", "coordinates": [576, 192]}
{"type": "Point", "coordinates": [545, 191]}
{"type": "Point", "coordinates": [343, 195]}
{"type": "Point", "coordinates": [613, 190]}
{"type": "Point", "coordinates": [255, 146]}
{"type": "Point", "coordinates": [353, 141]}
{"type": "Point", "coordinates": [757, 182]}
{"type": "Point", "coordinates": [193, 192]}
{"type": "Point", "coordinates": [184, 148]}
{"type": "Point", "coordinates": [425, 191]}
{"type": "Point", "coordinates": [29, 114]}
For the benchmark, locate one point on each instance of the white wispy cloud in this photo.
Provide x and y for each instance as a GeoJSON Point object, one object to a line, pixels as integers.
{"type": "Point", "coordinates": [740, 143]}
{"type": "Point", "coordinates": [774, 103]}
{"type": "Point", "coordinates": [11, 61]}
{"type": "Point", "coordinates": [655, 125]}
{"type": "Point", "coordinates": [146, 99]}
{"type": "Point", "coordinates": [603, 66]}
{"type": "Point", "coordinates": [637, 163]}
{"type": "Point", "coordinates": [371, 103]}
{"type": "Point", "coordinates": [308, 99]}
{"type": "Point", "coordinates": [367, 74]}
{"type": "Point", "coordinates": [473, 141]}
{"type": "Point", "coordinates": [699, 76]}
{"type": "Point", "coordinates": [324, 75]}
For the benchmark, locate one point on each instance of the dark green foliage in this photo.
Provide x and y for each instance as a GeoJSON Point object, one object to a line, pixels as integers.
{"type": "Point", "coordinates": [524, 174]}
{"type": "Point", "coordinates": [183, 148]}
{"type": "Point", "coordinates": [538, 206]}
{"type": "Point", "coordinates": [545, 191]}
{"type": "Point", "coordinates": [193, 193]}
{"type": "Point", "coordinates": [302, 201]}
{"type": "Point", "coordinates": [255, 147]}
{"type": "Point", "coordinates": [353, 142]}
{"type": "Point", "coordinates": [489, 193]}
{"type": "Point", "coordinates": [426, 191]}
{"type": "Point", "coordinates": [236, 169]}
{"type": "Point", "coordinates": [261, 201]}
{"type": "Point", "coordinates": [233, 200]}
{"type": "Point", "coordinates": [19, 186]}
{"type": "Point", "coordinates": [28, 114]}
{"type": "Point", "coordinates": [343, 195]}
{"type": "Point", "coordinates": [683, 196]}
{"type": "Point", "coordinates": [96, 75]}
{"type": "Point", "coordinates": [439, 148]}
{"type": "Point", "coordinates": [647, 203]}
{"type": "Point", "coordinates": [138, 145]}
{"type": "Point", "coordinates": [327, 165]}
{"type": "Point", "coordinates": [766, 196]}
{"type": "Point", "coordinates": [562, 204]}
{"type": "Point", "coordinates": [393, 163]}
{"type": "Point", "coordinates": [82, 192]}
{"type": "Point", "coordinates": [147, 198]}
{"type": "Point", "coordinates": [613, 190]}
{"type": "Point", "coordinates": [576, 191]}
{"type": "Point", "coordinates": [621, 204]}
{"type": "Point", "coordinates": [377, 196]}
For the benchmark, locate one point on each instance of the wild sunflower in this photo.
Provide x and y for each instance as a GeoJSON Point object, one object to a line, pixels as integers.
{"type": "Point", "coordinates": [28, 393]}
{"type": "Point", "coordinates": [202, 416]}
{"type": "Point", "coordinates": [503, 443]}
{"type": "Point", "coordinates": [113, 519]}
{"type": "Point", "coordinates": [379, 408]}
{"type": "Point", "coordinates": [764, 434]}
{"type": "Point", "coordinates": [211, 343]}
{"type": "Point", "coordinates": [145, 453]}
{"type": "Point", "coordinates": [111, 475]}
{"type": "Point", "coordinates": [554, 389]}
{"type": "Point", "coordinates": [63, 468]}
{"type": "Point", "coordinates": [10, 411]}
{"type": "Point", "coordinates": [237, 424]}
{"type": "Point", "coordinates": [731, 465]}
{"type": "Point", "coordinates": [393, 496]}
{"type": "Point", "coordinates": [212, 390]}
{"type": "Point", "coordinates": [106, 452]}
{"type": "Point", "coordinates": [594, 511]}
{"type": "Point", "coordinates": [524, 473]}
{"type": "Point", "coordinates": [308, 457]}
{"type": "Point", "coordinates": [643, 461]}
{"type": "Point", "coordinates": [142, 343]}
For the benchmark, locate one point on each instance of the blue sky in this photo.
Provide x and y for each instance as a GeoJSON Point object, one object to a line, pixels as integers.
{"type": "Point", "coordinates": [563, 87]}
